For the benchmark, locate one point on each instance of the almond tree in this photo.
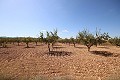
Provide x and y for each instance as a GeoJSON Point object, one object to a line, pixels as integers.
{"type": "Point", "coordinates": [115, 41]}
{"type": "Point", "coordinates": [18, 40]}
{"type": "Point", "coordinates": [11, 40]}
{"type": "Point", "coordinates": [87, 38]}
{"type": "Point", "coordinates": [105, 36]}
{"type": "Point", "coordinates": [72, 40]}
{"type": "Point", "coordinates": [41, 38]}
{"type": "Point", "coordinates": [0, 41]}
{"type": "Point", "coordinates": [60, 40]}
{"type": "Point", "coordinates": [52, 37]}
{"type": "Point", "coordinates": [66, 40]}
{"type": "Point", "coordinates": [27, 40]}
{"type": "Point", "coordinates": [3, 42]}
{"type": "Point", "coordinates": [77, 40]}
{"type": "Point", "coordinates": [48, 39]}
{"type": "Point", "coordinates": [36, 40]}
{"type": "Point", "coordinates": [101, 38]}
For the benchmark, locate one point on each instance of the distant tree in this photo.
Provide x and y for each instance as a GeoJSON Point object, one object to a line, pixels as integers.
{"type": "Point", "coordinates": [36, 40]}
{"type": "Point", "coordinates": [115, 41]}
{"type": "Point", "coordinates": [0, 41]}
{"type": "Point", "coordinates": [10, 40]}
{"type": "Point", "coordinates": [66, 40]}
{"type": "Point", "coordinates": [73, 41]}
{"type": "Point", "coordinates": [27, 40]}
{"type": "Point", "coordinates": [77, 40]}
{"type": "Point", "coordinates": [41, 38]}
{"type": "Point", "coordinates": [18, 40]}
{"type": "Point", "coordinates": [3, 42]}
{"type": "Point", "coordinates": [105, 36]}
{"type": "Point", "coordinates": [60, 40]}
{"type": "Point", "coordinates": [101, 38]}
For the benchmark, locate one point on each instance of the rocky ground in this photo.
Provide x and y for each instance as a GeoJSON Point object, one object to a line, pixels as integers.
{"type": "Point", "coordinates": [64, 63]}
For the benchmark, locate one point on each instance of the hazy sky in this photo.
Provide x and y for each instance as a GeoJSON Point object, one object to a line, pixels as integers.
{"type": "Point", "coordinates": [29, 17]}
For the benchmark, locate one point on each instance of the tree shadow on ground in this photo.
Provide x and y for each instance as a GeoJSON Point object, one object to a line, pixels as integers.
{"type": "Point", "coordinates": [4, 53]}
{"type": "Point", "coordinates": [29, 47]}
{"type": "Point", "coordinates": [58, 47]}
{"type": "Point", "coordinates": [81, 47]}
{"type": "Point", "coordinates": [39, 45]}
{"type": "Point", "coordinates": [59, 53]}
{"type": "Point", "coordinates": [4, 47]}
{"type": "Point", "coordinates": [20, 45]}
{"type": "Point", "coordinates": [103, 47]}
{"type": "Point", "coordinates": [102, 53]}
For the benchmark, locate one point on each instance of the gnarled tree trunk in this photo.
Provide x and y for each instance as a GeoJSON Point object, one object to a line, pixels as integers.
{"type": "Point", "coordinates": [89, 46]}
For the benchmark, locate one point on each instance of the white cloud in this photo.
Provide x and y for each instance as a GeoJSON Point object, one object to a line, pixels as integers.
{"type": "Point", "coordinates": [65, 31]}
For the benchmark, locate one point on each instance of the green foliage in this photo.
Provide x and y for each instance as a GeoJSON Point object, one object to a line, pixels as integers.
{"type": "Point", "coordinates": [115, 41]}
{"type": "Point", "coordinates": [105, 36]}
{"type": "Point", "coordinates": [73, 41]}
{"type": "Point", "coordinates": [41, 39]}
{"type": "Point", "coordinates": [52, 37]}
{"type": "Point", "coordinates": [18, 40]}
{"type": "Point", "coordinates": [36, 40]}
{"type": "Point", "coordinates": [4, 41]}
{"type": "Point", "coordinates": [102, 38]}
{"type": "Point", "coordinates": [27, 40]}
{"type": "Point", "coordinates": [66, 40]}
{"type": "Point", "coordinates": [87, 38]}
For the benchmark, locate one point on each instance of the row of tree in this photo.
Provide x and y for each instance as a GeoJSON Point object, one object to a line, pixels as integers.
{"type": "Point", "coordinates": [50, 38]}
{"type": "Point", "coordinates": [88, 39]}
{"type": "Point", "coordinates": [83, 37]}
{"type": "Point", "coordinates": [18, 40]}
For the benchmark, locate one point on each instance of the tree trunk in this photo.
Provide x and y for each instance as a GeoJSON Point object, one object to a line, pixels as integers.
{"type": "Point", "coordinates": [96, 44]}
{"type": "Point", "coordinates": [0, 44]}
{"type": "Point", "coordinates": [36, 43]}
{"type": "Point", "coordinates": [49, 47]}
{"type": "Point", "coordinates": [69, 43]}
{"type": "Point", "coordinates": [4, 45]}
{"type": "Point", "coordinates": [18, 43]}
{"type": "Point", "coordinates": [27, 45]}
{"type": "Point", "coordinates": [52, 45]}
{"type": "Point", "coordinates": [89, 48]}
{"type": "Point", "coordinates": [74, 44]}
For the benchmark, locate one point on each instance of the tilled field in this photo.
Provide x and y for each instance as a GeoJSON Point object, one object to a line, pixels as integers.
{"type": "Point", "coordinates": [64, 63]}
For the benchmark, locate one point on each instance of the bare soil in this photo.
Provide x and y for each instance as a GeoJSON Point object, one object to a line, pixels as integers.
{"type": "Point", "coordinates": [63, 63]}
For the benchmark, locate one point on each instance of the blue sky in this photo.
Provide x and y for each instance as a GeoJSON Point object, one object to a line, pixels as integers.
{"type": "Point", "coordinates": [29, 17]}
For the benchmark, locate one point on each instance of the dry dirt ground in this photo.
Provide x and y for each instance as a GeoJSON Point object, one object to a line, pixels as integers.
{"type": "Point", "coordinates": [66, 63]}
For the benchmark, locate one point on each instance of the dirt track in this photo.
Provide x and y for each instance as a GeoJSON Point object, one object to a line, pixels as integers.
{"type": "Point", "coordinates": [19, 62]}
